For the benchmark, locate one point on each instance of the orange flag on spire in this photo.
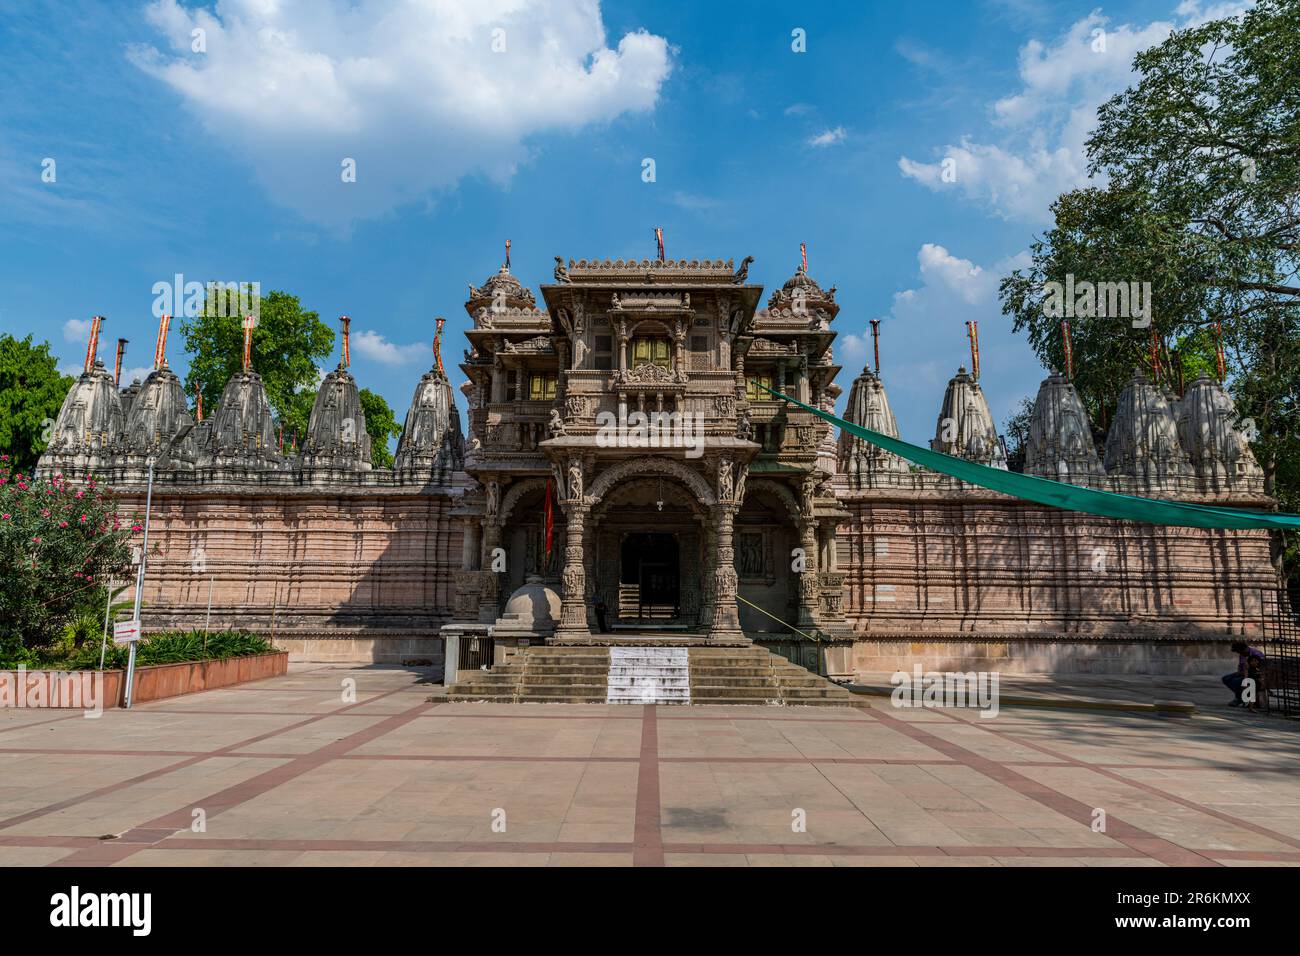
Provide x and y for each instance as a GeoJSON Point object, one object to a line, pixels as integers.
{"type": "Point", "coordinates": [160, 350]}
{"type": "Point", "coordinates": [346, 358]}
{"type": "Point", "coordinates": [507, 255]}
{"type": "Point", "coordinates": [248, 342]}
{"type": "Point", "coordinates": [659, 240]}
{"type": "Point", "coordinates": [437, 345]}
{"type": "Point", "coordinates": [875, 342]}
{"type": "Point", "coordinates": [92, 345]}
{"type": "Point", "coordinates": [803, 255]}
{"type": "Point", "coordinates": [1067, 343]}
{"type": "Point", "coordinates": [117, 366]}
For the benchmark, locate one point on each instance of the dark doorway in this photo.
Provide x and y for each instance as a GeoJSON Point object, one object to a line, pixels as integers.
{"type": "Point", "coordinates": [649, 582]}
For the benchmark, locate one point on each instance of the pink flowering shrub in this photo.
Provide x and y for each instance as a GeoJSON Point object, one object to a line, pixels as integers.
{"type": "Point", "coordinates": [60, 541]}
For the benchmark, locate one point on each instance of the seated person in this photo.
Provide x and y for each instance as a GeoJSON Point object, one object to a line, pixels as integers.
{"type": "Point", "coordinates": [1250, 664]}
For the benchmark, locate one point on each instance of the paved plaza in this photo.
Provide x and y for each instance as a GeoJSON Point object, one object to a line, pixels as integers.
{"type": "Point", "coordinates": [295, 772]}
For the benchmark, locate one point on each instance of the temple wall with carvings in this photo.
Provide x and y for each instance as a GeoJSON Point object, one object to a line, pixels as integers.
{"type": "Point", "coordinates": [358, 577]}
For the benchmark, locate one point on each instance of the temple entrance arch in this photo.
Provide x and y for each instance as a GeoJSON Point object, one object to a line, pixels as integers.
{"type": "Point", "coordinates": [647, 558]}
{"type": "Point", "coordinates": [765, 535]}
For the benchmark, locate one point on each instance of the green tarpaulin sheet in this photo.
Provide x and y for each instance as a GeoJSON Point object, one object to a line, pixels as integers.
{"type": "Point", "coordinates": [1057, 494]}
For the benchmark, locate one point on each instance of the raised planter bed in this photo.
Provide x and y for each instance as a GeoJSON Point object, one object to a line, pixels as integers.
{"type": "Point", "coordinates": [71, 689]}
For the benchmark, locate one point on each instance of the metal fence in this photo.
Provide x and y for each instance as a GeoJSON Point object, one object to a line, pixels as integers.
{"type": "Point", "coordinates": [1282, 646]}
{"type": "Point", "coordinates": [476, 652]}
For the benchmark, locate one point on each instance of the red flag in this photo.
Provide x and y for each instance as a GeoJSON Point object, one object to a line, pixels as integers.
{"type": "Point", "coordinates": [550, 521]}
{"type": "Point", "coordinates": [507, 255]}
{"type": "Point", "coordinates": [803, 256]}
{"type": "Point", "coordinates": [347, 353]}
{"type": "Point", "coordinates": [875, 341]}
{"type": "Point", "coordinates": [1068, 344]}
{"type": "Point", "coordinates": [659, 240]}
{"type": "Point", "coordinates": [1220, 360]}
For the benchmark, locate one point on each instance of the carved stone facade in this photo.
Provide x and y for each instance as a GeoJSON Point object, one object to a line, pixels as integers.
{"type": "Point", "coordinates": [629, 402]}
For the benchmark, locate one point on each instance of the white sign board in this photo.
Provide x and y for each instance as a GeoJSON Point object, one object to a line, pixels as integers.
{"type": "Point", "coordinates": [126, 632]}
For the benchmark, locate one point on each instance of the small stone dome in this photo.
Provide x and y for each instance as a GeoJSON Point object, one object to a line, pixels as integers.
{"type": "Point", "coordinates": [532, 611]}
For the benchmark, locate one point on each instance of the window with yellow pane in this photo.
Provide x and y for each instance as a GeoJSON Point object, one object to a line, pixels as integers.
{"type": "Point", "coordinates": [752, 392]}
{"type": "Point", "coordinates": [651, 350]}
{"type": "Point", "coordinates": [541, 386]}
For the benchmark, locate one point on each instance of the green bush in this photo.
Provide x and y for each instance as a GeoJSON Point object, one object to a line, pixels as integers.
{"type": "Point", "coordinates": [168, 647]}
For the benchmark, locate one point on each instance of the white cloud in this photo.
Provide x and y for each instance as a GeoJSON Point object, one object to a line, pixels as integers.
{"type": "Point", "coordinates": [372, 345]}
{"type": "Point", "coordinates": [830, 137]}
{"type": "Point", "coordinates": [76, 330]}
{"type": "Point", "coordinates": [139, 373]}
{"type": "Point", "coordinates": [917, 360]}
{"type": "Point", "coordinates": [413, 92]}
{"type": "Point", "coordinates": [1041, 129]}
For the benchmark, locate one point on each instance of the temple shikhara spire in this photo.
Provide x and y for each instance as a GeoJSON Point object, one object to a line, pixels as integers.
{"type": "Point", "coordinates": [92, 345]}
{"type": "Point", "coordinates": [160, 349]}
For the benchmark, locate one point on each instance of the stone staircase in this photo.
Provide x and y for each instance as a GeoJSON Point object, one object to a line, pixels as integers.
{"type": "Point", "coordinates": [646, 674]}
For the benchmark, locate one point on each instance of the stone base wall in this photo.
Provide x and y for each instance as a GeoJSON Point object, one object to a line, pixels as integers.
{"type": "Point", "coordinates": [358, 577]}
{"type": "Point", "coordinates": [972, 567]}
{"type": "Point", "coordinates": [1170, 658]}
{"type": "Point", "coordinates": [362, 650]}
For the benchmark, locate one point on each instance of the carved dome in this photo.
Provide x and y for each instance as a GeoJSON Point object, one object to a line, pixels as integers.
{"type": "Point", "coordinates": [868, 406]}
{"type": "Point", "coordinates": [1143, 439]}
{"type": "Point", "coordinates": [1207, 427]}
{"type": "Point", "coordinates": [802, 293]}
{"type": "Point", "coordinates": [242, 430]}
{"type": "Point", "coordinates": [160, 422]}
{"type": "Point", "coordinates": [89, 425]}
{"type": "Point", "coordinates": [1060, 441]}
{"type": "Point", "coordinates": [503, 290]}
{"type": "Point", "coordinates": [336, 432]}
{"type": "Point", "coordinates": [965, 427]}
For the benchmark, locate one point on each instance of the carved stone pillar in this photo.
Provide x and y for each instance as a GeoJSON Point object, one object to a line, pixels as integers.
{"type": "Point", "coordinates": [809, 584]}
{"type": "Point", "coordinates": [708, 562]}
{"type": "Point", "coordinates": [471, 543]}
{"type": "Point", "coordinates": [726, 616]}
{"type": "Point", "coordinates": [573, 610]}
{"type": "Point", "coordinates": [489, 602]}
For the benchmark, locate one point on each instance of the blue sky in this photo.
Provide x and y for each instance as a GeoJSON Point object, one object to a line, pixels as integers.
{"type": "Point", "coordinates": [225, 163]}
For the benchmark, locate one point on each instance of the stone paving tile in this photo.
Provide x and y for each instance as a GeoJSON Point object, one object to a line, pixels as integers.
{"type": "Point", "coordinates": [300, 774]}
{"type": "Point", "coordinates": [122, 809]}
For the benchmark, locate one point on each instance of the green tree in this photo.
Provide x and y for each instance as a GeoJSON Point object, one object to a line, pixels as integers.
{"type": "Point", "coordinates": [1201, 164]}
{"type": "Point", "coordinates": [31, 392]}
{"type": "Point", "coordinates": [1015, 432]}
{"type": "Point", "coordinates": [381, 425]}
{"type": "Point", "coordinates": [289, 343]}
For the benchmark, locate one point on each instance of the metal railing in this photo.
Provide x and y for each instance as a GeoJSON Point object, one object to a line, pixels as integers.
{"type": "Point", "coordinates": [1282, 648]}
{"type": "Point", "coordinates": [476, 652]}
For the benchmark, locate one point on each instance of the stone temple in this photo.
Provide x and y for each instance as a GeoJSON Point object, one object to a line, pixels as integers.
{"type": "Point", "coordinates": [694, 507]}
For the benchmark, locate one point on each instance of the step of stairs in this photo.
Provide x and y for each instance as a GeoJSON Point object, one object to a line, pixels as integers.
{"type": "Point", "coordinates": [641, 674]}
